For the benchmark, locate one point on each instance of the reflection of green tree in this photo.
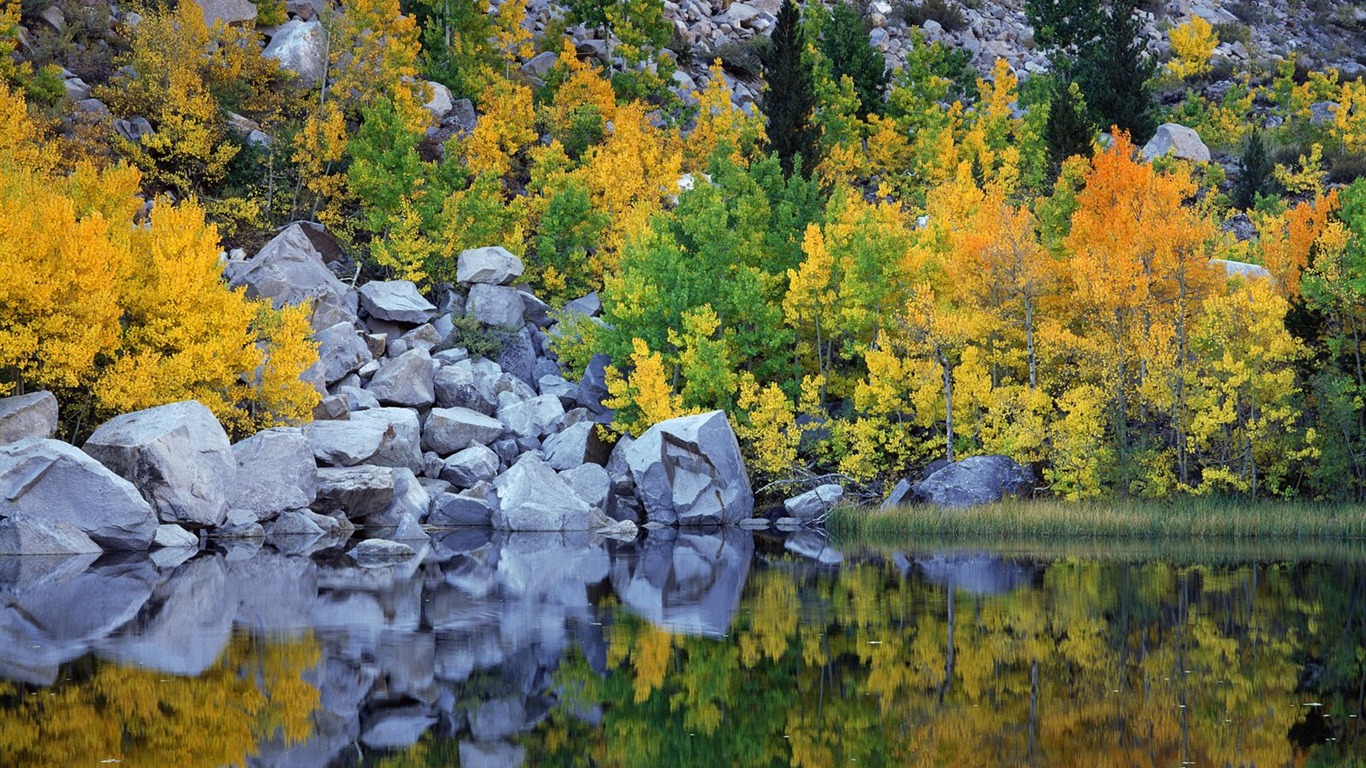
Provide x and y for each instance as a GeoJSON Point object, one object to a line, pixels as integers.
{"type": "Point", "coordinates": [108, 712]}
{"type": "Point", "coordinates": [1103, 664]}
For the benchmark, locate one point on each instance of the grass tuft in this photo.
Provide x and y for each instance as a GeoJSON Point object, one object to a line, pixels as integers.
{"type": "Point", "coordinates": [1187, 518]}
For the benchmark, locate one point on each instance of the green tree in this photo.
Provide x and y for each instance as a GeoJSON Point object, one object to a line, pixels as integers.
{"type": "Point", "coordinates": [1069, 130]}
{"type": "Point", "coordinates": [1114, 72]}
{"type": "Point", "coordinates": [1254, 177]}
{"type": "Point", "coordinates": [844, 44]}
{"type": "Point", "coordinates": [790, 94]}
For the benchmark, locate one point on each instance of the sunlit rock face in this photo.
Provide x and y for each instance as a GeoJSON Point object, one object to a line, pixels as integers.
{"type": "Point", "coordinates": [688, 471]}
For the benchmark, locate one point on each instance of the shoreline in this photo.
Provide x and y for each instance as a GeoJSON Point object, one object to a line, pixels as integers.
{"type": "Point", "coordinates": [1214, 518]}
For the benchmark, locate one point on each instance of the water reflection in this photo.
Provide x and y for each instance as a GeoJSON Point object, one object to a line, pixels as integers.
{"type": "Point", "coordinates": [682, 648]}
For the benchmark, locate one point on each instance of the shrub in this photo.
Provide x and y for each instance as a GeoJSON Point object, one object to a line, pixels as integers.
{"type": "Point", "coordinates": [945, 12]}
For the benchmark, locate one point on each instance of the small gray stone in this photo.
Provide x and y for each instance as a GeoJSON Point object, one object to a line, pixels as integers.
{"type": "Point", "coordinates": [470, 466]}
{"type": "Point", "coordinates": [30, 415]}
{"type": "Point", "coordinates": [357, 491]}
{"type": "Point", "coordinates": [491, 265]}
{"type": "Point", "coordinates": [397, 301]}
{"type": "Point", "coordinates": [173, 537]}
{"type": "Point", "coordinates": [458, 511]}
{"type": "Point", "coordinates": [538, 416]}
{"type": "Point", "coordinates": [377, 552]}
{"type": "Point", "coordinates": [449, 430]}
{"type": "Point", "coordinates": [814, 503]}
{"type": "Point", "coordinates": [341, 350]}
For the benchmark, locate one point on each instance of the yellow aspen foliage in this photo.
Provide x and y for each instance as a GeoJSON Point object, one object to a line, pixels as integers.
{"type": "Point", "coordinates": [1305, 179]}
{"type": "Point", "coordinates": [768, 428]}
{"type": "Point", "coordinates": [705, 362]}
{"type": "Point", "coordinates": [187, 336]}
{"type": "Point", "coordinates": [584, 87]}
{"type": "Point", "coordinates": [65, 265]}
{"type": "Point", "coordinates": [1350, 119]}
{"type": "Point", "coordinates": [9, 41]}
{"type": "Point", "coordinates": [890, 156]}
{"type": "Point", "coordinates": [1285, 240]}
{"type": "Point", "coordinates": [989, 142]}
{"type": "Point", "coordinates": [1079, 453]}
{"type": "Point", "coordinates": [1192, 45]}
{"type": "Point", "coordinates": [511, 35]}
{"type": "Point", "coordinates": [720, 122]}
{"type": "Point", "coordinates": [374, 52]}
{"type": "Point", "coordinates": [644, 397]}
{"type": "Point", "coordinates": [319, 147]}
{"type": "Point", "coordinates": [506, 128]}
{"type": "Point", "coordinates": [629, 176]}
{"type": "Point", "coordinates": [406, 251]}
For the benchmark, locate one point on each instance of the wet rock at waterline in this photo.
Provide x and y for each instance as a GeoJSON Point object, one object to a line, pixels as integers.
{"type": "Point", "coordinates": [689, 471]}
{"type": "Point", "coordinates": [976, 480]}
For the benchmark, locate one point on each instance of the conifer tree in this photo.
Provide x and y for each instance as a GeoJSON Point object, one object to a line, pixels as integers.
{"type": "Point", "coordinates": [1114, 71]}
{"type": "Point", "coordinates": [1069, 129]}
{"type": "Point", "coordinates": [844, 43]}
{"type": "Point", "coordinates": [790, 95]}
{"type": "Point", "coordinates": [1254, 172]}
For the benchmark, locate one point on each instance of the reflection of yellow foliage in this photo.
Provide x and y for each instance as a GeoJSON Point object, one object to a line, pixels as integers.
{"type": "Point", "coordinates": [254, 693]}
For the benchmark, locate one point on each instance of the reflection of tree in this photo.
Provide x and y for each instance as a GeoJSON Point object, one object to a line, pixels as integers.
{"type": "Point", "coordinates": [111, 713]}
{"type": "Point", "coordinates": [1103, 664]}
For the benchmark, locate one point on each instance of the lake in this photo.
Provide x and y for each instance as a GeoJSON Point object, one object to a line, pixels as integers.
{"type": "Point", "coordinates": [679, 649]}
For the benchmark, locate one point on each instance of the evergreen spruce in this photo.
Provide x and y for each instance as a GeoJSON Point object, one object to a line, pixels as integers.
{"type": "Point", "coordinates": [790, 95]}
{"type": "Point", "coordinates": [1254, 172]}
{"type": "Point", "coordinates": [1114, 72]}
{"type": "Point", "coordinates": [844, 42]}
{"type": "Point", "coordinates": [1069, 130]}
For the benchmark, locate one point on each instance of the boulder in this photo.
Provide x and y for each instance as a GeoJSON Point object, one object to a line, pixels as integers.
{"type": "Point", "coordinates": [449, 430]}
{"type": "Point", "coordinates": [536, 417]}
{"type": "Point", "coordinates": [458, 511]}
{"type": "Point", "coordinates": [468, 384]}
{"type": "Point", "coordinates": [377, 552]}
{"type": "Point", "coordinates": [356, 491]}
{"type": "Point", "coordinates": [178, 457]}
{"type": "Point", "coordinates": [495, 305]}
{"type": "Point", "coordinates": [1181, 142]}
{"type": "Point", "coordinates": [55, 482]}
{"type": "Point", "coordinates": [815, 503]}
{"type": "Point", "coordinates": [341, 350]}
{"type": "Point", "coordinates": [532, 497]}
{"type": "Point", "coordinates": [410, 500]}
{"type": "Point", "coordinates": [901, 492]}
{"type": "Point", "coordinates": [227, 11]}
{"type": "Point", "coordinates": [275, 472]}
{"type": "Point", "coordinates": [1241, 269]}
{"type": "Point", "coordinates": [174, 537]}
{"type": "Point", "coordinates": [575, 445]}
{"type": "Point", "coordinates": [397, 301]}
{"type": "Point", "coordinates": [540, 64]}
{"type": "Point", "coordinates": [470, 466]}
{"type": "Point", "coordinates": [300, 47]}
{"type": "Point", "coordinates": [491, 265]}
{"type": "Point", "coordinates": [25, 535]}
{"type": "Point", "coordinates": [406, 380]}
{"type": "Point", "coordinates": [688, 471]}
{"type": "Point", "coordinates": [588, 306]}
{"type": "Point", "coordinates": [441, 101]}
{"type": "Point", "coordinates": [590, 483]}
{"type": "Point", "coordinates": [289, 270]}
{"type": "Point", "coordinates": [297, 523]}
{"type": "Point", "coordinates": [976, 480]}
{"type": "Point", "coordinates": [517, 358]}
{"type": "Point", "coordinates": [386, 437]}
{"type": "Point", "coordinates": [593, 384]}
{"type": "Point", "coordinates": [31, 415]}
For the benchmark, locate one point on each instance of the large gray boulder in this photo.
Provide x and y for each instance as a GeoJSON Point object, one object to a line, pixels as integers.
{"type": "Point", "coordinates": [495, 305]}
{"type": "Point", "coordinates": [688, 471]}
{"type": "Point", "coordinates": [341, 350]}
{"type": "Point", "coordinates": [449, 430]}
{"type": "Point", "coordinates": [289, 270]}
{"type": "Point", "coordinates": [1242, 269]}
{"type": "Point", "coordinates": [227, 11]}
{"type": "Point", "coordinates": [492, 265]}
{"type": "Point", "coordinates": [538, 416]}
{"type": "Point", "coordinates": [976, 480]}
{"type": "Point", "coordinates": [470, 466]}
{"type": "Point", "coordinates": [57, 483]}
{"type": "Point", "coordinates": [468, 384]}
{"type": "Point", "coordinates": [532, 497]}
{"type": "Point", "coordinates": [451, 510]}
{"type": "Point", "coordinates": [275, 472]}
{"type": "Point", "coordinates": [355, 491]}
{"type": "Point", "coordinates": [406, 380]}
{"type": "Point", "coordinates": [814, 503]}
{"type": "Point", "coordinates": [31, 415]}
{"type": "Point", "coordinates": [386, 437]}
{"type": "Point", "coordinates": [1177, 140]}
{"type": "Point", "coordinates": [300, 47]}
{"type": "Point", "coordinates": [178, 457]}
{"type": "Point", "coordinates": [397, 301]}
{"type": "Point", "coordinates": [574, 445]}
{"type": "Point", "coordinates": [25, 535]}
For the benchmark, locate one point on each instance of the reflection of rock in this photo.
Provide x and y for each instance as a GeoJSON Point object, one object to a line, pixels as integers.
{"type": "Point", "coordinates": [686, 582]}
{"type": "Point", "coordinates": [89, 606]}
{"type": "Point", "coordinates": [813, 546]}
{"type": "Point", "coordinates": [975, 572]}
{"type": "Point", "coordinates": [185, 625]}
{"type": "Point", "coordinates": [275, 592]}
{"type": "Point", "coordinates": [397, 728]}
{"type": "Point", "coordinates": [497, 754]}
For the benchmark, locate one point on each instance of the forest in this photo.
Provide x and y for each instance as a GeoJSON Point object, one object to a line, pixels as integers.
{"type": "Point", "coordinates": [868, 271]}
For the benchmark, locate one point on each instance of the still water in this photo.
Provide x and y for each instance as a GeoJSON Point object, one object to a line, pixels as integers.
{"type": "Point", "coordinates": [687, 649]}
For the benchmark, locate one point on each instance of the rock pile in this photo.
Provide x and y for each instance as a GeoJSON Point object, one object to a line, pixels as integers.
{"type": "Point", "coordinates": [414, 430]}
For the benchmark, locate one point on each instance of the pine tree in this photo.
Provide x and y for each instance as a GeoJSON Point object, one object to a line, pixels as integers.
{"type": "Point", "coordinates": [1254, 172]}
{"type": "Point", "coordinates": [844, 42]}
{"type": "Point", "coordinates": [1069, 129]}
{"type": "Point", "coordinates": [790, 96]}
{"type": "Point", "coordinates": [1114, 71]}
